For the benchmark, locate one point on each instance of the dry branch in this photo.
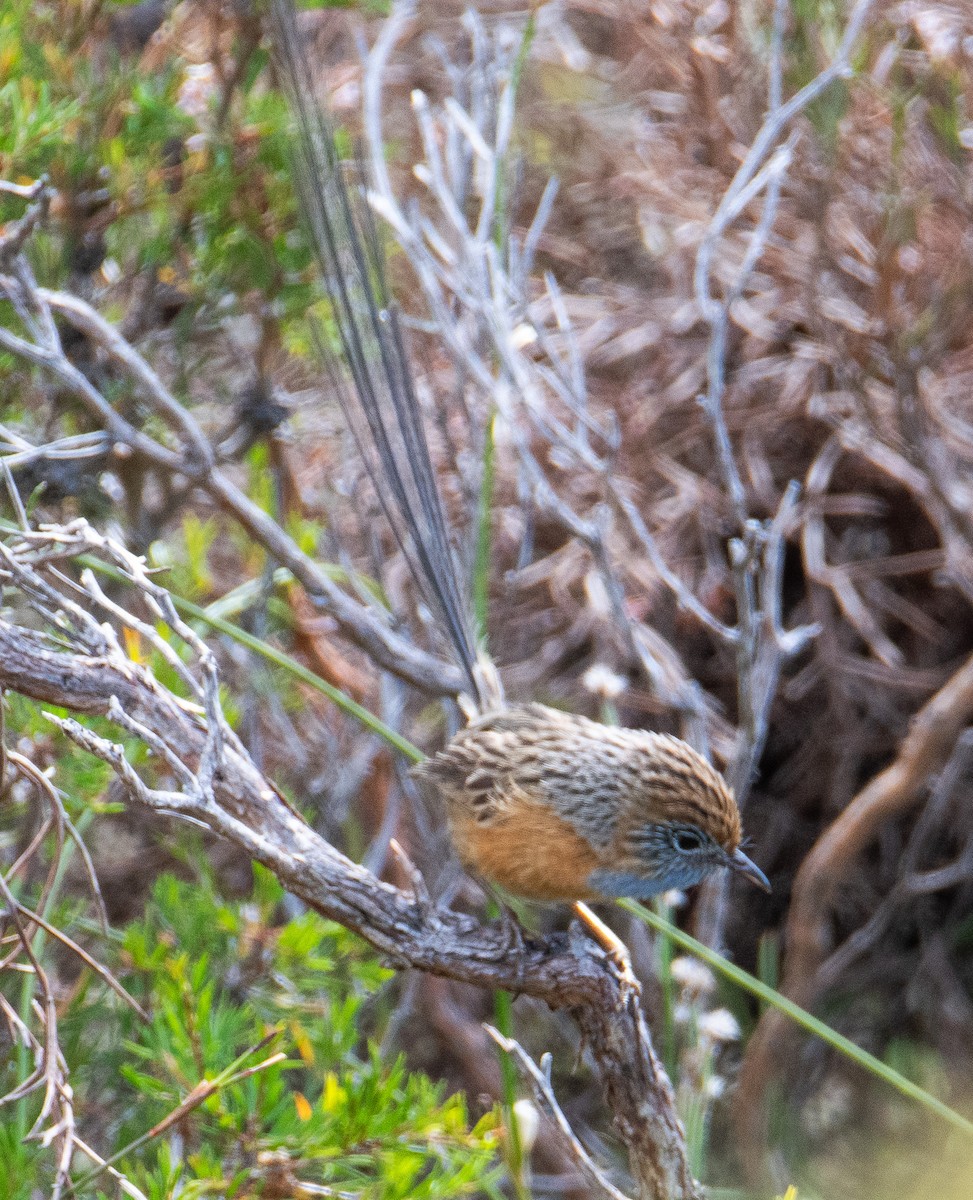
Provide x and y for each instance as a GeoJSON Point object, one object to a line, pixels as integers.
{"type": "Point", "coordinates": [193, 459]}
{"type": "Point", "coordinates": [215, 784]}
{"type": "Point", "coordinates": [540, 1081]}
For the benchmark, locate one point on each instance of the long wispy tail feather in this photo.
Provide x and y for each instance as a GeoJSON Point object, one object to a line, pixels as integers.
{"type": "Point", "coordinates": [381, 407]}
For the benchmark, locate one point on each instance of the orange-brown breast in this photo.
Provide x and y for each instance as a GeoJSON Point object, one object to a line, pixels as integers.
{"type": "Point", "coordinates": [528, 850]}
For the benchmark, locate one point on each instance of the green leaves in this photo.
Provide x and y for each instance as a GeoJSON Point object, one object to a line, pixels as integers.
{"type": "Point", "coordinates": [258, 1042]}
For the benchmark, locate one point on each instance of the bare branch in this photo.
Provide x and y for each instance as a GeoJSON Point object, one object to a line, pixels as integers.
{"type": "Point", "coordinates": [217, 785]}
{"type": "Point", "coordinates": [366, 625]}
{"type": "Point", "coordinates": [540, 1081]}
{"type": "Point", "coordinates": [756, 551]}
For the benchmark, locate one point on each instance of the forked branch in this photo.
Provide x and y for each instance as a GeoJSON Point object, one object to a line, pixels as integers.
{"type": "Point", "coordinates": [213, 782]}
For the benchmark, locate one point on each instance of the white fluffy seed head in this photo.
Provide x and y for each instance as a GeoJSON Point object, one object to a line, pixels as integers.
{"type": "Point", "coordinates": [720, 1025]}
{"type": "Point", "coordinates": [692, 976]}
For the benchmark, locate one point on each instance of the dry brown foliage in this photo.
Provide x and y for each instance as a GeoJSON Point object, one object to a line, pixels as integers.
{"type": "Point", "coordinates": [848, 370]}
{"type": "Point", "coordinates": [848, 362]}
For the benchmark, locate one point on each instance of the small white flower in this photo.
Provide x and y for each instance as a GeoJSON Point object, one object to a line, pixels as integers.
{"type": "Point", "coordinates": [523, 335]}
{"type": "Point", "coordinates": [720, 1025]}
{"type": "Point", "coordinates": [597, 595]}
{"type": "Point", "coordinates": [528, 1121]}
{"type": "Point", "coordinates": [21, 791]}
{"type": "Point", "coordinates": [604, 682]}
{"type": "Point", "coordinates": [715, 1086]}
{"type": "Point", "coordinates": [692, 976]}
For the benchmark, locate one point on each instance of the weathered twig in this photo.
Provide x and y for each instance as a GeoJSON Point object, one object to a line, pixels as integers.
{"type": "Point", "coordinates": [194, 459]}
{"type": "Point", "coordinates": [539, 1078]}
{"type": "Point", "coordinates": [477, 298]}
{"type": "Point", "coordinates": [756, 550]}
{"type": "Point", "coordinates": [217, 785]}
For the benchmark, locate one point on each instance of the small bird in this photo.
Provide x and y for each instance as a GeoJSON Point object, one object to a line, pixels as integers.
{"type": "Point", "coordinates": [551, 807]}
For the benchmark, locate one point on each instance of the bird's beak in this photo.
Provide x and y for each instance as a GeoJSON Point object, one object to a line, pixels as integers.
{"type": "Point", "coordinates": [738, 861]}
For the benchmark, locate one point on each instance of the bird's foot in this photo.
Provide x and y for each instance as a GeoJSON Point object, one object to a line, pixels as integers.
{"type": "Point", "coordinates": [611, 943]}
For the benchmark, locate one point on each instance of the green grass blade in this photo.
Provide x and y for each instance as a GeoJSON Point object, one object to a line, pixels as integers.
{"type": "Point", "coordinates": [799, 1016]}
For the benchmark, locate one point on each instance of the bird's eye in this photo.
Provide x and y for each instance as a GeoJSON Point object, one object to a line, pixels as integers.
{"type": "Point", "coordinates": [688, 839]}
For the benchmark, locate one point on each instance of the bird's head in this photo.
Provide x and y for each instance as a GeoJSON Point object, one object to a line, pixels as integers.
{"type": "Point", "coordinates": [680, 825]}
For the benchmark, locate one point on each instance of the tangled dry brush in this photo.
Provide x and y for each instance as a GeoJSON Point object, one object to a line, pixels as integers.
{"type": "Point", "coordinates": [733, 485]}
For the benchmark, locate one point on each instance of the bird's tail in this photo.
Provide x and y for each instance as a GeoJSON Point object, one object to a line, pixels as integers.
{"type": "Point", "coordinates": [380, 402]}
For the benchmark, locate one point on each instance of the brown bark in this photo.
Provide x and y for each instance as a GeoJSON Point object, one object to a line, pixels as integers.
{"type": "Point", "coordinates": [565, 973]}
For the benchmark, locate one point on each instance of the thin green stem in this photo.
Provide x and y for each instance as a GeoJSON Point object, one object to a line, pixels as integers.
{"type": "Point", "coordinates": [503, 1017]}
{"type": "Point", "coordinates": [666, 956]}
{"type": "Point", "coordinates": [768, 962]}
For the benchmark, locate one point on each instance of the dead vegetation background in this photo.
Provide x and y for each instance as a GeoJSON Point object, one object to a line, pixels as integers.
{"type": "Point", "coordinates": [848, 363]}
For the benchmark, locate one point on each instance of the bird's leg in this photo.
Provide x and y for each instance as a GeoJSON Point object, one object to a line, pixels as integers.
{"type": "Point", "coordinates": [609, 941]}
{"type": "Point", "coordinates": [512, 930]}
{"type": "Point", "coordinates": [514, 944]}
{"type": "Point", "coordinates": [510, 925]}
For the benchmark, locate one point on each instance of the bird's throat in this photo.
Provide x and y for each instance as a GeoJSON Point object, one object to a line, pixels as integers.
{"type": "Point", "coordinates": [616, 885]}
